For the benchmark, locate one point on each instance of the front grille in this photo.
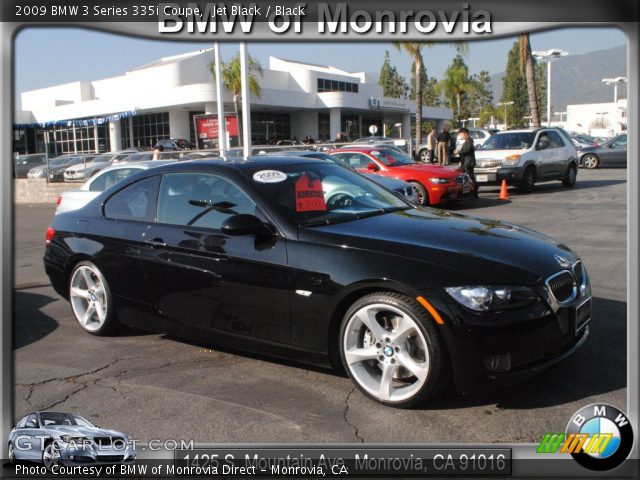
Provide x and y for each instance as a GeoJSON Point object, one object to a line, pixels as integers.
{"type": "Point", "coordinates": [578, 272]}
{"type": "Point", "coordinates": [110, 458]}
{"type": "Point", "coordinates": [562, 286]}
{"type": "Point", "coordinates": [108, 441]}
{"type": "Point", "coordinates": [488, 163]}
{"type": "Point", "coordinates": [526, 354]}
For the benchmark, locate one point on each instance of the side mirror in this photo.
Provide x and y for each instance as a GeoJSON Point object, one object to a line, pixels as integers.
{"type": "Point", "coordinates": [372, 167]}
{"type": "Point", "coordinates": [243, 224]}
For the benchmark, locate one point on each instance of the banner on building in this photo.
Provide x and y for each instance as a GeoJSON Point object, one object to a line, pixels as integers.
{"type": "Point", "coordinates": [206, 127]}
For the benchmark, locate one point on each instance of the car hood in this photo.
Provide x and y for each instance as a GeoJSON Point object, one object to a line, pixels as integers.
{"type": "Point", "coordinates": [498, 154]}
{"type": "Point", "coordinates": [83, 431]}
{"type": "Point", "coordinates": [469, 248]}
{"type": "Point", "coordinates": [431, 170]}
{"type": "Point", "coordinates": [80, 167]}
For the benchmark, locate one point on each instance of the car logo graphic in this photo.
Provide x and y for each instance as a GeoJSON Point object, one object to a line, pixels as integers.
{"type": "Point", "coordinates": [562, 261]}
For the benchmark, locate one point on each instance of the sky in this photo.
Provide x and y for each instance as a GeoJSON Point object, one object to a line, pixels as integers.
{"type": "Point", "coordinates": [51, 56]}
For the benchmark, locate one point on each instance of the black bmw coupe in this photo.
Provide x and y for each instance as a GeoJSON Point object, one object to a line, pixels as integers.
{"type": "Point", "coordinates": [302, 259]}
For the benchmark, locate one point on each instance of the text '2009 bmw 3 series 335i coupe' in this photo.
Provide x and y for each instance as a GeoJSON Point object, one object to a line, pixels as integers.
{"type": "Point", "coordinates": [307, 260]}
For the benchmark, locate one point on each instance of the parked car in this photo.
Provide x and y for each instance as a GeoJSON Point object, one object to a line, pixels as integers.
{"type": "Point", "coordinates": [81, 172]}
{"type": "Point", "coordinates": [66, 439]}
{"type": "Point", "coordinates": [249, 255]}
{"type": "Point", "coordinates": [23, 163]}
{"type": "Point", "coordinates": [375, 139]}
{"type": "Point", "coordinates": [478, 135]}
{"type": "Point", "coordinates": [581, 140]}
{"type": "Point", "coordinates": [74, 199]}
{"type": "Point", "coordinates": [612, 153]}
{"type": "Point", "coordinates": [57, 166]}
{"type": "Point", "coordinates": [525, 157]}
{"type": "Point", "coordinates": [175, 144]}
{"type": "Point", "coordinates": [398, 186]}
{"type": "Point", "coordinates": [433, 184]}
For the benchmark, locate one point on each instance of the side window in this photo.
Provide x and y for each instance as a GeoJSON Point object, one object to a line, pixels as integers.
{"type": "Point", "coordinates": [107, 179]}
{"type": "Point", "coordinates": [32, 421]}
{"type": "Point", "coordinates": [134, 202]}
{"type": "Point", "coordinates": [543, 141]}
{"type": "Point", "coordinates": [555, 140]}
{"type": "Point", "coordinates": [358, 160]}
{"type": "Point", "coordinates": [621, 142]}
{"type": "Point", "coordinates": [200, 200]}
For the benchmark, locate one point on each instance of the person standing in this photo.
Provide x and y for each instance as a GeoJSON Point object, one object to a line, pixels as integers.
{"type": "Point", "coordinates": [444, 138]}
{"type": "Point", "coordinates": [157, 152]}
{"type": "Point", "coordinates": [431, 145]}
{"type": "Point", "coordinates": [467, 154]}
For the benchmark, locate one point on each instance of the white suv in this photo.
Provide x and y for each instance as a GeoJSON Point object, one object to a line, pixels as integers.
{"type": "Point", "coordinates": [525, 157]}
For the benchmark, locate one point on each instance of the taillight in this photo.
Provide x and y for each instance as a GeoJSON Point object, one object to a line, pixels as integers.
{"type": "Point", "coordinates": [59, 200]}
{"type": "Point", "coordinates": [50, 234]}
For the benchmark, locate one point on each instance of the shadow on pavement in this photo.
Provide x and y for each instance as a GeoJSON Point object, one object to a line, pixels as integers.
{"type": "Point", "coordinates": [599, 367]}
{"type": "Point", "coordinates": [30, 324]}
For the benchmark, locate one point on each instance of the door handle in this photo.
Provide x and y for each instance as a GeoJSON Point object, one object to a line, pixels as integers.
{"type": "Point", "coordinates": [156, 243]}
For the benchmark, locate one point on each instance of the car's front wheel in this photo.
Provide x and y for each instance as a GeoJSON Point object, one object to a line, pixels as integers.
{"type": "Point", "coordinates": [570, 178]}
{"type": "Point", "coordinates": [424, 155]}
{"type": "Point", "coordinates": [528, 180]}
{"type": "Point", "coordinates": [391, 349]}
{"type": "Point", "coordinates": [91, 300]}
{"type": "Point", "coordinates": [12, 453]}
{"type": "Point", "coordinates": [590, 161]}
{"type": "Point", "coordinates": [50, 456]}
{"type": "Point", "coordinates": [421, 193]}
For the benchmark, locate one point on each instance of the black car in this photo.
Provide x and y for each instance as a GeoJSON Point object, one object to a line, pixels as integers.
{"type": "Point", "coordinates": [174, 144]}
{"type": "Point", "coordinates": [252, 255]}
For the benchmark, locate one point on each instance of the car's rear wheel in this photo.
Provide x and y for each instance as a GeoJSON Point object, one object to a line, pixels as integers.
{"type": "Point", "coordinates": [570, 179]}
{"type": "Point", "coordinates": [424, 155]}
{"type": "Point", "coordinates": [421, 193]}
{"type": "Point", "coordinates": [50, 456]}
{"type": "Point", "coordinates": [590, 161]}
{"type": "Point", "coordinates": [91, 300]}
{"type": "Point", "coordinates": [528, 180]}
{"type": "Point", "coordinates": [392, 350]}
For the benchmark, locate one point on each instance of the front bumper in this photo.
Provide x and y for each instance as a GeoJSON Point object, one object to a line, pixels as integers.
{"type": "Point", "coordinates": [494, 176]}
{"type": "Point", "coordinates": [443, 193]}
{"type": "Point", "coordinates": [493, 349]}
{"type": "Point", "coordinates": [96, 456]}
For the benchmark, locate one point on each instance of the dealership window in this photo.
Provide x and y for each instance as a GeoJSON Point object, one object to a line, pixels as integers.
{"type": "Point", "coordinates": [200, 200]}
{"type": "Point", "coordinates": [327, 85]}
{"type": "Point", "coordinates": [192, 131]}
{"type": "Point", "coordinates": [269, 127]}
{"type": "Point", "coordinates": [61, 139]}
{"type": "Point", "coordinates": [134, 202]}
{"type": "Point", "coordinates": [149, 128]}
{"type": "Point", "coordinates": [324, 129]}
{"type": "Point", "coordinates": [351, 126]}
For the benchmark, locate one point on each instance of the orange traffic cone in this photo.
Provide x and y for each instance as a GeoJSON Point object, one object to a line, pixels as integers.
{"type": "Point", "coordinates": [504, 194]}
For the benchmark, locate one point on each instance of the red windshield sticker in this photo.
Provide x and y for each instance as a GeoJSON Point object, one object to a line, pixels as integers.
{"type": "Point", "coordinates": [309, 195]}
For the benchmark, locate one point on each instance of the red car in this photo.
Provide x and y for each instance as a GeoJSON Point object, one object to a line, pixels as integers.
{"type": "Point", "coordinates": [433, 184]}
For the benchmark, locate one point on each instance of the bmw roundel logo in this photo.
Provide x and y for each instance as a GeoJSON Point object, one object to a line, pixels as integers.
{"type": "Point", "coordinates": [605, 435]}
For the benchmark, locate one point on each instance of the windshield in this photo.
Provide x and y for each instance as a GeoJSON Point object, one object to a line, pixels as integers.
{"type": "Point", "coordinates": [322, 194]}
{"type": "Point", "coordinates": [509, 141]}
{"type": "Point", "coordinates": [392, 158]}
{"type": "Point", "coordinates": [52, 418]}
{"type": "Point", "coordinates": [104, 158]}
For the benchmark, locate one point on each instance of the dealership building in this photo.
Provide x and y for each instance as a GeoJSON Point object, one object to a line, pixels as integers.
{"type": "Point", "coordinates": [159, 101]}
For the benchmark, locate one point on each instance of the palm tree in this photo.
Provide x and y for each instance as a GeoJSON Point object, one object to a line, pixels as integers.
{"type": "Point", "coordinates": [231, 77]}
{"type": "Point", "coordinates": [414, 49]}
{"type": "Point", "coordinates": [528, 71]}
{"type": "Point", "coordinates": [456, 83]}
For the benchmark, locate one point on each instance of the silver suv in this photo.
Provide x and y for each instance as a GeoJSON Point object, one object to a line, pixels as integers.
{"type": "Point", "coordinates": [525, 157]}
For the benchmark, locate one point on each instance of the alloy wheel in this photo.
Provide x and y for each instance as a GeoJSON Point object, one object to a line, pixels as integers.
{"type": "Point", "coordinates": [50, 456]}
{"type": "Point", "coordinates": [89, 298]}
{"type": "Point", "coordinates": [386, 352]}
{"type": "Point", "coordinates": [590, 161]}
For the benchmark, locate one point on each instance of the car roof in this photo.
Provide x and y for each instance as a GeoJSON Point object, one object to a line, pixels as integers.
{"type": "Point", "coordinates": [141, 165]}
{"type": "Point", "coordinates": [239, 164]}
{"type": "Point", "coordinates": [292, 153]}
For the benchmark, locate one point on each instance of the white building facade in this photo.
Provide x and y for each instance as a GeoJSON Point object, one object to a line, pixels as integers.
{"type": "Point", "coordinates": [598, 119]}
{"type": "Point", "coordinates": [159, 101]}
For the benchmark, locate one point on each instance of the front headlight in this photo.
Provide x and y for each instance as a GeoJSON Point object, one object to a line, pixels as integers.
{"type": "Point", "coordinates": [440, 180]}
{"type": "Point", "coordinates": [482, 298]}
{"type": "Point", "coordinates": [511, 160]}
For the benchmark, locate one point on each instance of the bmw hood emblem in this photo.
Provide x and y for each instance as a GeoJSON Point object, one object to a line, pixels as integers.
{"type": "Point", "coordinates": [562, 261]}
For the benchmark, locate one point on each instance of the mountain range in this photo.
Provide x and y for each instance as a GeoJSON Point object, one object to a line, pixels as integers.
{"type": "Point", "coordinates": [577, 79]}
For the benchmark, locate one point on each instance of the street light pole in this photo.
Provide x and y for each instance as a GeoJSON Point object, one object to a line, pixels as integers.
{"type": "Point", "coordinates": [549, 55]}
{"type": "Point", "coordinates": [615, 82]}
{"type": "Point", "coordinates": [505, 111]}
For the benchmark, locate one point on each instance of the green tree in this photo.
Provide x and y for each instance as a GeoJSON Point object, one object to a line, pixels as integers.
{"type": "Point", "coordinates": [541, 88]}
{"type": "Point", "coordinates": [231, 77]}
{"type": "Point", "coordinates": [393, 84]}
{"type": "Point", "coordinates": [455, 85]}
{"type": "Point", "coordinates": [487, 115]}
{"type": "Point", "coordinates": [479, 95]}
{"type": "Point", "coordinates": [514, 89]}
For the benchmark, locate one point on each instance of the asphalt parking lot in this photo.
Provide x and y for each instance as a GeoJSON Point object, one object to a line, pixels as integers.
{"type": "Point", "coordinates": [158, 387]}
